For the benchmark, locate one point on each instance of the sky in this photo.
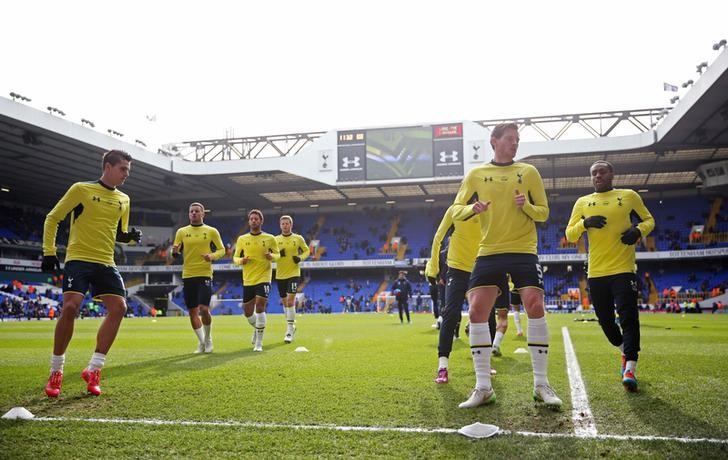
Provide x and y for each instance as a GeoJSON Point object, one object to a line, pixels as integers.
{"type": "Point", "coordinates": [215, 69]}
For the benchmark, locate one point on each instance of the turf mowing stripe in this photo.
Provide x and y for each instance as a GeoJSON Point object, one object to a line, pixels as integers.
{"type": "Point", "coordinates": [581, 414]}
{"type": "Point", "coordinates": [371, 428]}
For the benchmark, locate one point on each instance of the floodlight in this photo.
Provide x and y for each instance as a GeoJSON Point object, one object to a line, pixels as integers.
{"type": "Point", "coordinates": [16, 96]}
{"type": "Point", "coordinates": [56, 110]}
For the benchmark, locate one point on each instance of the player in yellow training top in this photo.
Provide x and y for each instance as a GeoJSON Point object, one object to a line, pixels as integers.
{"type": "Point", "coordinates": [509, 198]}
{"type": "Point", "coordinates": [199, 244]}
{"type": "Point", "coordinates": [461, 252]}
{"type": "Point", "coordinates": [293, 250]}
{"type": "Point", "coordinates": [99, 217]}
{"type": "Point", "coordinates": [255, 251]}
{"type": "Point", "coordinates": [606, 216]}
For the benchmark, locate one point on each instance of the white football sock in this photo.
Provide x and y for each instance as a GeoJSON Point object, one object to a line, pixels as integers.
{"type": "Point", "coordinates": [251, 319]}
{"type": "Point", "coordinates": [517, 320]}
{"type": "Point", "coordinates": [631, 366]}
{"type": "Point", "coordinates": [200, 335]}
{"type": "Point", "coordinates": [497, 339]}
{"type": "Point", "coordinates": [260, 327]}
{"type": "Point", "coordinates": [57, 362]}
{"type": "Point", "coordinates": [538, 345]}
{"type": "Point", "coordinates": [208, 334]}
{"type": "Point", "coordinates": [97, 361]}
{"type": "Point", "coordinates": [480, 349]}
{"type": "Point", "coordinates": [442, 362]}
{"type": "Point", "coordinates": [290, 318]}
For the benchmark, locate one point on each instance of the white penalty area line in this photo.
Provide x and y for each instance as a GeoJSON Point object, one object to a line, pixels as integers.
{"type": "Point", "coordinates": [381, 429]}
{"type": "Point", "coordinates": [581, 414]}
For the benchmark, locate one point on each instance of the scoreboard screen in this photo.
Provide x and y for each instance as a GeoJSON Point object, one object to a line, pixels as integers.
{"type": "Point", "coordinates": [400, 153]}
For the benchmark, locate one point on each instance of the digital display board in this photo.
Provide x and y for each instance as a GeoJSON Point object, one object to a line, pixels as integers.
{"type": "Point", "coordinates": [401, 153]}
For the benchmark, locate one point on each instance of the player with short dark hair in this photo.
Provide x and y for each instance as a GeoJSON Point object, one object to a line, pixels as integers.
{"type": "Point", "coordinates": [199, 244]}
{"type": "Point", "coordinates": [99, 215]}
{"type": "Point", "coordinates": [509, 198]}
{"type": "Point", "coordinates": [255, 251]}
{"type": "Point", "coordinates": [606, 216]}
{"type": "Point", "coordinates": [293, 250]}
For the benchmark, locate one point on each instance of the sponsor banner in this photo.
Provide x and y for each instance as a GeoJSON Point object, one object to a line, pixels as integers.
{"type": "Point", "coordinates": [315, 265]}
{"type": "Point", "coordinates": [18, 265]}
{"type": "Point", "coordinates": [20, 262]}
{"type": "Point", "coordinates": [19, 268]}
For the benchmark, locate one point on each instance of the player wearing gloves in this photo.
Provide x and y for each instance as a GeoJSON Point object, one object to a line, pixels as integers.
{"type": "Point", "coordinates": [606, 217]}
{"type": "Point", "coordinates": [293, 250]}
{"type": "Point", "coordinates": [99, 215]}
{"type": "Point", "coordinates": [255, 251]}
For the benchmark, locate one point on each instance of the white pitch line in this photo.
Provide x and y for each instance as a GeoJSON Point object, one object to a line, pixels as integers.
{"type": "Point", "coordinates": [242, 424]}
{"type": "Point", "coordinates": [581, 415]}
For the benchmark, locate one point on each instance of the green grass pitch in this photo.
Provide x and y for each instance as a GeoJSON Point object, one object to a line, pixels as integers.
{"type": "Point", "coordinates": [362, 370]}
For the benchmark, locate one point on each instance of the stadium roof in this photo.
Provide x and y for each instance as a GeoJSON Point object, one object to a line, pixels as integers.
{"type": "Point", "coordinates": [42, 153]}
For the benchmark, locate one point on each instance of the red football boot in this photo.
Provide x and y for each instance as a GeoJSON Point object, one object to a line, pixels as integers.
{"type": "Point", "coordinates": [53, 387]}
{"type": "Point", "coordinates": [92, 378]}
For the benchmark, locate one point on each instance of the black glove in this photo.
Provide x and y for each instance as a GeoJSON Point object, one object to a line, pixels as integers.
{"type": "Point", "coordinates": [132, 235]}
{"type": "Point", "coordinates": [283, 253]}
{"type": "Point", "coordinates": [50, 264]}
{"type": "Point", "coordinates": [432, 280]}
{"type": "Point", "coordinates": [631, 235]}
{"type": "Point", "coordinates": [595, 222]}
{"type": "Point", "coordinates": [296, 259]}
